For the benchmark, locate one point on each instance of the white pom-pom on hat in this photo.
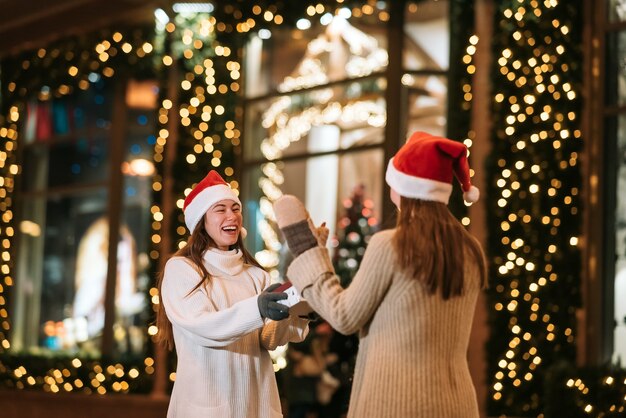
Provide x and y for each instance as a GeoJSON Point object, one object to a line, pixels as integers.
{"type": "Point", "coordinates": [472, 195]}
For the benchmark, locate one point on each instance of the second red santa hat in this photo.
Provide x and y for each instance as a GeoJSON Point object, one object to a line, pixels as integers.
{"type": "Point", "coordinates": [423, 168]}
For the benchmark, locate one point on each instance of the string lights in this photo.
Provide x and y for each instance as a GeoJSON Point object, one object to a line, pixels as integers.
{"type": "Point", "coordinates": [534, 195]}
{"type": "Point", "coordinates": [534, 200]}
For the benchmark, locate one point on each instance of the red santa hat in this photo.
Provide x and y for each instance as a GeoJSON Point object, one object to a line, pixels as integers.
{"type": "Point", "coordinates": [424, 166]}
{"type": "Point", "coordinates": [209, 191]}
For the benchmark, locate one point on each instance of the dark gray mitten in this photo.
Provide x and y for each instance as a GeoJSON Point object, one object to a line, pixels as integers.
{"type": "Point", "coordinates": [296, 225]}
{"type": "Point", "coordinates": [269, 307]}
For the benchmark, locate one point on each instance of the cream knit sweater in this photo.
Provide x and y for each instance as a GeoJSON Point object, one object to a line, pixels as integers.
{"type": "Point", "coordinates": [412, 352]}
{"type": "Point", "coordinates": [224, 369]}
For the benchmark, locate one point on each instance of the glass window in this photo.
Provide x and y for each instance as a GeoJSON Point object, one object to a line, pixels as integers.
{"type": "Point", "coordinates": [63, 264]}
{"type": "Point", "coordinates": [315, 113]}
{"type": "Point", "coordinates": [314, 121]}
{"type": "Point", "coordinates": [427, 36]}
{"type": "Point", "coordinates": [332, 49]}
{"type": "Point", "coordinates": [288, 125]}
{"type": "Point", "coordinates": [132, 306]}
{"type": "Point", "coordinates": [617, 10]}
{"type": "Point", "coordinates": [427, 103]}
{"type": "Point", "coordinates": [54, 260]}
{"type": "Point", "coordinates": [619, 342]}
{"type": "Point", "coordinates": [616, 69]}
{"type": "Point", "coordinates": [66, 140]}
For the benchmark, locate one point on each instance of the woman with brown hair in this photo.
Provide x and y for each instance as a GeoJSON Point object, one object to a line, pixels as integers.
{"type": "Point", "coordinates": [220, 312]}
{"type": "Point", "coordinates": [413, 299]}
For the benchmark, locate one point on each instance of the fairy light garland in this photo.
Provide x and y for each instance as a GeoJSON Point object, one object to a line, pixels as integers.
{"type": "Point", "coordinates": [534, 200]}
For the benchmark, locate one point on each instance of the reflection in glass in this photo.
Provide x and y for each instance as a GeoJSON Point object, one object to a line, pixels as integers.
{"type": "Point", "coordinates": [617, 10]}
{"type": "Point", "coordinates": [66, 140]}
{"type": "Point", "coordinates": [282, 126]}
{"type": "Point", "coordinates": [332, 49]}
{"type": "Point", "coordinates": [619, 351]}
{"type": "Point", "coordinates": [427, 103]}
{"type": "Point", "coordinates": [427, 36]}
{"type": "Point", "coordinates": [50, 232]}
{"type": "Point", "coordinates": [616, 69]}
{"type": "Point", "coordinates": [90, 280]}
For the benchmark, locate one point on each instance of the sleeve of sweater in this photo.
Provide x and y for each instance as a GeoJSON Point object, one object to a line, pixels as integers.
{"type": "Point", "coordinates": [346, 310]}
{"type": "Point", "coordinates": [192, 311]}
{"type": "Point", "coordinates": [277, 333]}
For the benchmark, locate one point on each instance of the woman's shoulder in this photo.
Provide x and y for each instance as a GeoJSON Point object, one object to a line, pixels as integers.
{"type": "Point", "coordinates": [179, 263]}
{"type": "Point", "coordinates": [382, 237]}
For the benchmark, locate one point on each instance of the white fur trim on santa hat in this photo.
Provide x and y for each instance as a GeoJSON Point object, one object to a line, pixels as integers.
{"type": "Point", "coordinates": [417, 187]}
{"type": "Point", "coordinates": [204, 200]}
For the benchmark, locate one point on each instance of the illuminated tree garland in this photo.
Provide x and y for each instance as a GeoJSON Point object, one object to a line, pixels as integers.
{"type": "Point", "coordinates": [534, 199]}
{"type": "Point", "coordinates": [205, 116]}
{"type": "Point", "coordinates": [461, 97]}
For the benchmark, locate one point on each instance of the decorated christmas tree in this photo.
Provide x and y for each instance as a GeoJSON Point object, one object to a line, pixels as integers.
{"type": "Point", "coordinates": [354, 231]}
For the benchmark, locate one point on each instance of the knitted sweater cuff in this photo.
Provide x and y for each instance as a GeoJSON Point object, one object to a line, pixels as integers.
{"type": "Point", "coordinates": [309, 266]}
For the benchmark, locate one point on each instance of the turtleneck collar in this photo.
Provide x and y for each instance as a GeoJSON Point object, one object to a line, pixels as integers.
{"type": "Point", "coordinates": [226, 262]}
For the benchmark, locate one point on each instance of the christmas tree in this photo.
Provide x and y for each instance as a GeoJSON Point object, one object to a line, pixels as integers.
{"type": "Point", "coordinates": [354, 231]}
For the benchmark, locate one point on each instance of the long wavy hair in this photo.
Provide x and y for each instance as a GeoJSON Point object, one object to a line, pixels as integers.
{"type": "Point", "coordinates": [198, 243]}
{"type": "Point", "coordinates": [431, 245]}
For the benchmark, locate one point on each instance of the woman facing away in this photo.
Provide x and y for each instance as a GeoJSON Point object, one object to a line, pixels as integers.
{"type": "Point", "coordinates": [413, 298]}
{"type": "Point", "coordinates": [220, 312]}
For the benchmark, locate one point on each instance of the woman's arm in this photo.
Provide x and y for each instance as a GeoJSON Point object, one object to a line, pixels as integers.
{"type": "Point", "coordinates": [346, 310]}
{"type": "Point", "coordinates": [192, 311]}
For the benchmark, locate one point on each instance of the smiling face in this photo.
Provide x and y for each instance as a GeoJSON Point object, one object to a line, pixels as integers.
{"type": "Point", "coordinates": [223, 222]}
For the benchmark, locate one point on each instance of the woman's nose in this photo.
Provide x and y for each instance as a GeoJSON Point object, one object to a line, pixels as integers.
{"type": "Point", "coordinates": [231, 214]}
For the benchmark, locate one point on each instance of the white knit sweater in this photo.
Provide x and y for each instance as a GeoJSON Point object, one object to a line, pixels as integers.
{"type": "Point", "coordinates": [224, 369]}
{"type": "Point", "coordinates": [412, 359]}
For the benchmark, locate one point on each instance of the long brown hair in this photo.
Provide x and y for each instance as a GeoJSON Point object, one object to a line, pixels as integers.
{"type": "Point", "coordinates": [431, 242]}
{"type": "Point", "coordinates": [198, 243]}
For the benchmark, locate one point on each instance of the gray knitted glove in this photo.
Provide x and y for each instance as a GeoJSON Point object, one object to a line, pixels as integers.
{"type": "Point", "coordinates": [268, 305]}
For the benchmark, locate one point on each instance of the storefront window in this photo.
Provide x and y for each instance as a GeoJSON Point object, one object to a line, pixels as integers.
{"type": "Point", "coordinates": [65, 194]}
{"type": "Point", "coordinates": [427, 98]}
{"type": "Point", "coordinates": [619, 342]}
{"type": "Point", "coordinates": [427, 40]}
{"type": "Point", "coordinates": [617, 10]}
{"type": "Point", "coordinates": [613, 166]}
{"type": "Point", "coordinates": [315, 114]}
